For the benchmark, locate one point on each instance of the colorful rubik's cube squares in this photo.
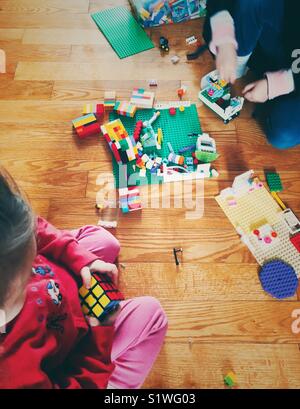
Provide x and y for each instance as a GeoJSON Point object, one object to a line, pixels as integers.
{"type": "Point", "coordinates": [122, 146]}
{"type": "Point", "coordinates": [97, 109]}
{"type": "Point", "coordinates": [86, 125]}
{"type": "Point", "coordinates": [142, 99]}
{"type": "Point", "coordinates": [101, 299]}
{"type": "Point", "coordinates": [125, 109]}
{"type": "Point", "coordinates": [109, 99]}
{"type": "Point", "coordinates": [130, 199]}
{"type": "Point", "coordinates": [274, 182]}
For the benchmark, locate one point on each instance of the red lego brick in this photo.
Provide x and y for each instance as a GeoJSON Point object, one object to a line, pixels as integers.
{"type": "Point", "coordinates": [296, 241]}
{"type": "Point", "coordinates": [100, 110]}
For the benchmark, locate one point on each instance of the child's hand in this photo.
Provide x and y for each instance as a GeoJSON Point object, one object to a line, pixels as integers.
{"type": "Point", "coordinates": [257, 91]}
{"type": "Point", "coordinates": [109, 321]}
{"type": "Point", "coordinates": [226, 62]}
{"type": "Point", "coordinates": [98, 266]}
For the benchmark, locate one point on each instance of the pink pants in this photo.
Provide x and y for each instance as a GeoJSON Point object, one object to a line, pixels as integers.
{"type": "Point", "coordinates": [140, 327]}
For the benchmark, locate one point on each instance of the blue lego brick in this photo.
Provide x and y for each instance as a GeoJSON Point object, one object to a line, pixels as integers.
{"type": "Point", "coordinates": [279, 279]}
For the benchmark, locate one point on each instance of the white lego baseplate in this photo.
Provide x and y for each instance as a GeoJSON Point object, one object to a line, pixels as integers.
{"type": "Point", "coordinates": [249, 205]}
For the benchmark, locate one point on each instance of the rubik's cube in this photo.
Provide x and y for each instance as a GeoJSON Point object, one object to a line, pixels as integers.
{"type": "Point", "coordinates": [97, 109]}
{"type": "Point", "coordinates": [86, 125]}
{"type": "Point", "coordinates": [109, 99]}
{"type": "Point", "coordinates": [142, 99]}
{"type": "Point", "coordinates": [130, 199]}
{"type": "Point", "coordinates": [125, 109]}
{"type": "Point", "coordinates": [122, 146]}
{"type": "Point", "coordinates": [101, 299]}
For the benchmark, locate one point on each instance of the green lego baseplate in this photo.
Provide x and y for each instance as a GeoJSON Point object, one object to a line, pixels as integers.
{"type": "Point", "coordinates": [122, 31]}
{"type": "Point", "coordinates": [274, 182]}
{"type": "Point", "coordinates": [176, 130]}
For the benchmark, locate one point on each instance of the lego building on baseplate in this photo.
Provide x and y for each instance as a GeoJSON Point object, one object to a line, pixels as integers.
{"type": "Point", "coordinates": [216, 95]}
{"type": "Point", "coordinates": [269, 232]}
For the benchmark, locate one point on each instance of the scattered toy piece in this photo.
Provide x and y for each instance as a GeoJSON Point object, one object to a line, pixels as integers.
{"type": "Point", "coordinates": [175, 59]}
{"type": "Point", "coordinates": [125, 109]}
{"type": "Point", "coordinates": [107, 224]}
{"type": "Point", "coordinates": [109, 99]}
{"type": "Point", "coordinates": [164, 44]}
{"type": "Point", "coordinates": [153, 83]}
{"type": "Point", "coordinates": [172, 111]}
{"type": "Point", "coordinates": [142, 99]}
{"type": "Point", "coordinates": [191, 40]}
{"type": "Point", "coordinates": [175, 251]}
{"type": "Point", "coordinates": [274, 182]}
{"type": "Point", "coordinates": [86, 125]}
{"type": "Point", "coordinates": [230, 379]}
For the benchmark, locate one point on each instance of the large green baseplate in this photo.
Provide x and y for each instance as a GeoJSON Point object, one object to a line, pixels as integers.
{"type": "Point", "coordinates": [122, 31]}
{"type": "Point", "coordinates": [176, 130]}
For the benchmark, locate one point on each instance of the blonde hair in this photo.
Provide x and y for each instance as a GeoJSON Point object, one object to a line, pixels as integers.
{"type": "Point", "coordinates": [17, 225]}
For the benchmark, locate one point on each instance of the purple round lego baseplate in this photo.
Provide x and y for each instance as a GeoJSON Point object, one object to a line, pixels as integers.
{"type": "Point", "coordinates": [278, 279]}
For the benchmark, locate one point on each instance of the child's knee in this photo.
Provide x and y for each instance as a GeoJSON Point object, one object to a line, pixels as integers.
{"type": "Point", "coordinates": [281, 138]}
{"type": "Point", "coordinates": [153, 311]}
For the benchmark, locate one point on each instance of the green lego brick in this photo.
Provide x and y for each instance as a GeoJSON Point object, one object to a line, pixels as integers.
{"type": "Point", "coordinates": [274, 182]}
{"type": "Point", "coordinates": [175, 130]}
{"type": "Point", "coordinates": [122, 31]}
{"type": "Point", "coordinates": [206, 157]}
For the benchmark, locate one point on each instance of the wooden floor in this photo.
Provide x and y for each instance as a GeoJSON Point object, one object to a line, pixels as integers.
{"type": "Point", "coordinates": [219, 317]}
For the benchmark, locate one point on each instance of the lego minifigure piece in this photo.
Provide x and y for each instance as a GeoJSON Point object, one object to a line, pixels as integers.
{"type": "Point", "coordinates": [175, 251]}
{"type": "Point", "coordinates": [101, 299]}
{"type": "Point", "coordinates": [164, 44]}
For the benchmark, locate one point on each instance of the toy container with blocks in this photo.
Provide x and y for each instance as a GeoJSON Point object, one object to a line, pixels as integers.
{"type": "Point", "coordinates": [152, 13]}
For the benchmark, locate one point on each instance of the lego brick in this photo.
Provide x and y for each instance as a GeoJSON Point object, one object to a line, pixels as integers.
{"type": "Point", "coordinates": [125, 109]}
{"type": "Point", "coordinates": [279, 279]}
{"type": "Point", "coordinates": [122, 31]}
{"type": "Point", "coordinates": [84, 120]}
{"type": "Point", "coordinates": [142, 99]}
{"type": "Point", "coordinates": [295, 240]}
{"type": "Point", "coordinates": [101, 299]}
{"type": "Point", "coordinates": [175, 131]}
{"type": "Point", "coordinates": [274, 182]}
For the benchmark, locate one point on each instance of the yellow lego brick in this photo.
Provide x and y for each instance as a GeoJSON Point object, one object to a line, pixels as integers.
{"type": "Point", "coordinates": [90, 300]}
{"type": "Point", "coordinates": [104, 300]}
{"type": "Point", "coordinates": [84, 120]}
{"type": "Point", "coordinates": [98, 290]}
{"type": "Point", "coordinates": [88, 109]}
{"type": "Point", "coordinates": [97, 310]}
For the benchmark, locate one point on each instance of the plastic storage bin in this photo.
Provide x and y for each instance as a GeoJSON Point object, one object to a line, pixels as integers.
{"type": "Point", "coordinates": [152, 13]}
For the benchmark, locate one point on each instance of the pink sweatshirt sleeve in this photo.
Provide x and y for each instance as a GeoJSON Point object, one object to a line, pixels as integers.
{"type": "Point", "coordinates": [280, 83]}
{"type": "Point", "coordinates": [223, 32]}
